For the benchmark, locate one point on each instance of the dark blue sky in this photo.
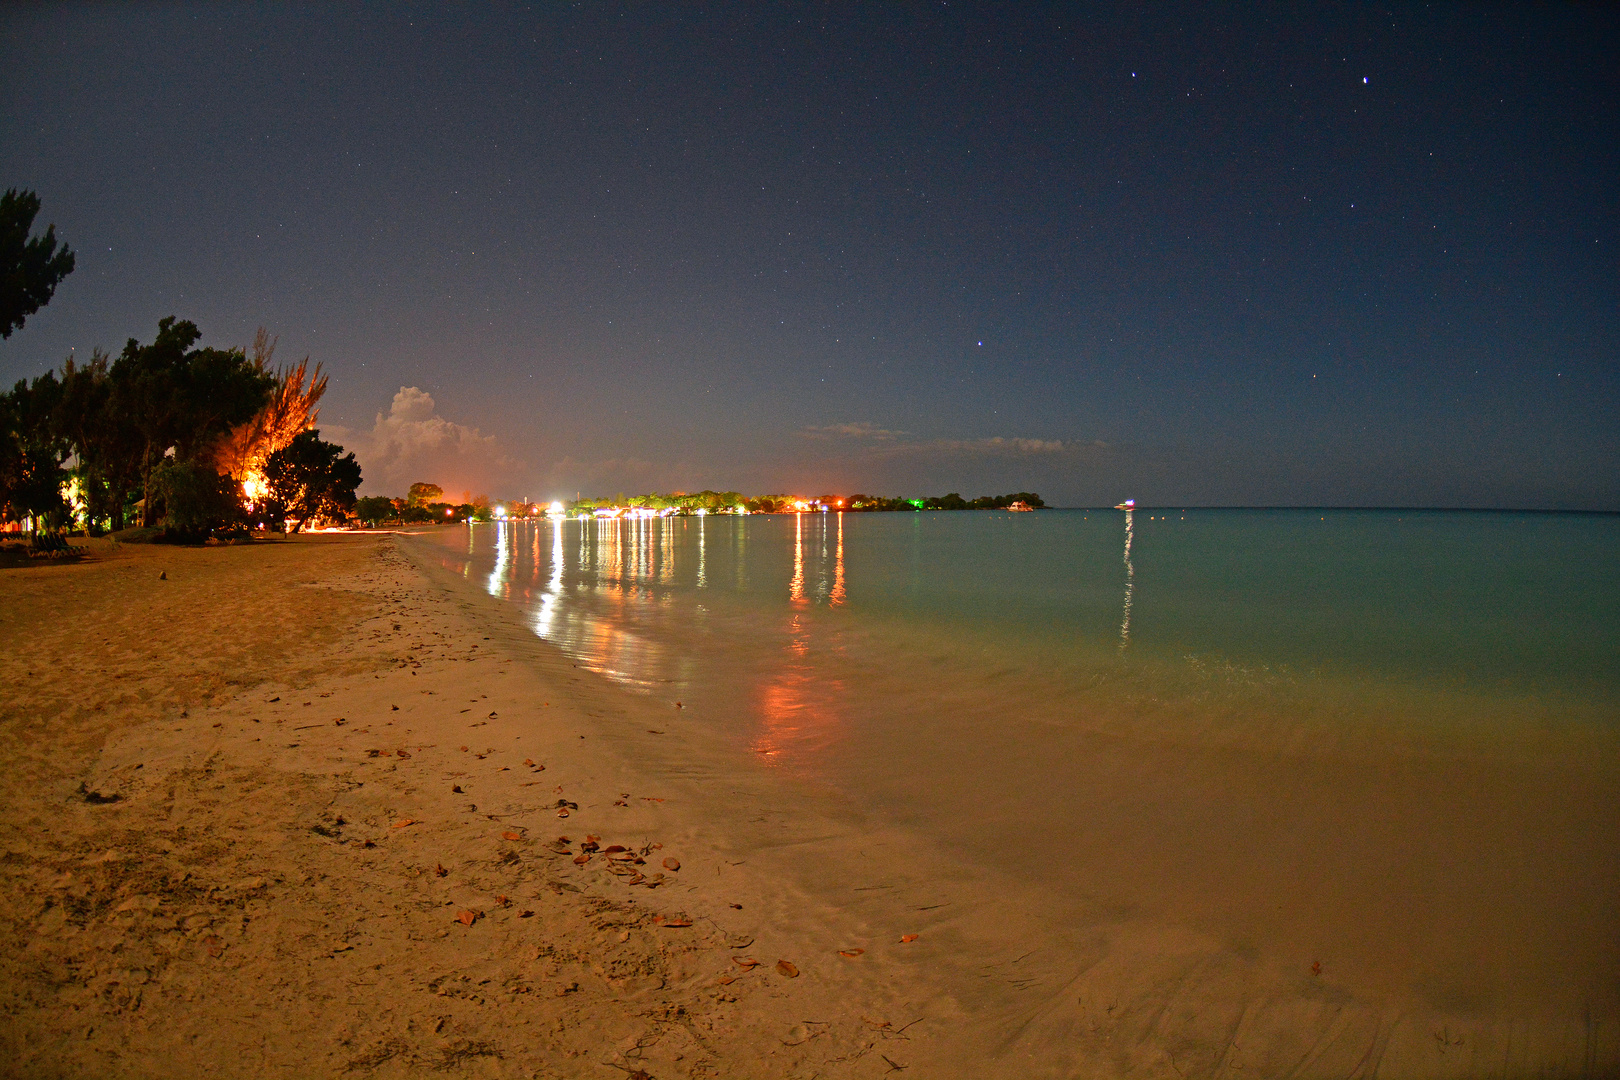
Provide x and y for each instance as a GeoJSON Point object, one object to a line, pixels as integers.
{"type": "Point", "coordinates": [1284, 255]}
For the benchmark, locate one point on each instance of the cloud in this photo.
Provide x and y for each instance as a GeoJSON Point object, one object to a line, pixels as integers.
{"type": "Point", "coordinates": [863, 430]}
{"type": "Point", "coordinates": [894, 443]}
{"type": "Point", "coordinates": [412, 442]}
{"type": "Point", "coordinates": [996, 446]}
{"type": "Point", "coordinates": [999, 445]}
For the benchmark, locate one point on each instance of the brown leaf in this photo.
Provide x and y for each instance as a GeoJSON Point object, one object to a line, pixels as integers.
{"type": "Point", "coordinates": [529, 762]}
{"type": "Point", "coordinates": [402, 754]}
{"type": "Point", "coordinates": [466, 918]}
{"type": "Point", "coordinates": [746, 962]}
{"type": "Point", "coordinates": [510, 835]}
{"type": "Point", "coordinates": [562, 813]}
{"type": "Point", "coordinates": [907, 939]}
{"type": "Point", "coordinates": [671, 920]}
{"type": "Point", "coordinates": [503, 901]}
{"type": "Point", "coordinates": [649, 798]}
{"type": "Point", "coordinates": [463, 749]}
{"type": "Point", "coordinates": [672, 864]}
{"type": "Point", "coordinates": [456, 788]}
{"type": "Point", "coordinates": [611, 848]}
{"type": "Point", "coordinates": [851, 953]}
{"type": "Point", "coordinates": [785, 968]}
{"type": "Point", "coordinates": [440, 871]}
{"type": "Point", "coordinates": [407, 821]}
{"type": "Point", "coordinates": [581, 859]}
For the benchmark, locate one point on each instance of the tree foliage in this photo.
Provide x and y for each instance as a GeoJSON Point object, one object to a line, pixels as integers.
{"type": "Point", "coordinates": [242, 451]}
{"type": "Point", "coordinates": [311, 481]}
{"type": "Point", "coordinates": [30, 268]}
{"type": "Point", "coordinates": [422, 493]}
{"type": "Point", "coordinates": [195, 499]}
{"type": "Point", "coordinates": [31, 453]}
{"type": "Point", "coordinates": [180, 399]}
{"type": "Point", "coordinates": [375, 508]}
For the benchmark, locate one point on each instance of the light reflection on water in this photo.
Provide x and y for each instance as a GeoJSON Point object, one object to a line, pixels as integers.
{"type": "Point", "coordinates": [771, 622]}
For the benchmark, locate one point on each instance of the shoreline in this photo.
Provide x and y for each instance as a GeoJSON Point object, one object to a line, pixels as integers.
{"type": "Point", "coordinates": [266, 830]}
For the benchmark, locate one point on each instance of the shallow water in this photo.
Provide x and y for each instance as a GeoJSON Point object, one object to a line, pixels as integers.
{"type": "Point", "coordinates": [1375, 616]}
{"type": "Point", "coordinates": [1387, 737]}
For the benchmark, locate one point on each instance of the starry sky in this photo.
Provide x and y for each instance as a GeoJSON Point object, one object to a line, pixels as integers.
{"type": "Point", "coordinates": [1194, 254]}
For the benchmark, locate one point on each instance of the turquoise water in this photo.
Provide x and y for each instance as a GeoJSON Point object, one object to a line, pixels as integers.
{"type": "Point", "coordinates": [1493, 606]}
{"type": "Point", "coordinates": [1391, 738]}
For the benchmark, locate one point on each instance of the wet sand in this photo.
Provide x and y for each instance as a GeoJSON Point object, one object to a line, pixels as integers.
{"type": "Point", "coordinates": [233, 843]}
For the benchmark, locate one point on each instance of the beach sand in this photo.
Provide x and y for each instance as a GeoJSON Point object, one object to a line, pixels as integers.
{"type": "Point", "coordinates": [234, 843]}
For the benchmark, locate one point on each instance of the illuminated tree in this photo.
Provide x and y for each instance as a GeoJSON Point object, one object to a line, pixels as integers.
{"type": "Point", "coordinates": [422, 494]}
{"type": "Point", "coordinates": [106, 444]}
{"type": "Point", "coordinates": [30, 269]}
{"type": "Point", "coordinates": [31, 454]}
{"type": "Point", "coordinates": [243, 450]}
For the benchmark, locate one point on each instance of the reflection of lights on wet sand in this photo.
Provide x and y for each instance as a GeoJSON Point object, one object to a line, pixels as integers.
{"type": "Point", "coordinates": [498, 584]}
{"type": "Point", "coordinates": [798, 712]}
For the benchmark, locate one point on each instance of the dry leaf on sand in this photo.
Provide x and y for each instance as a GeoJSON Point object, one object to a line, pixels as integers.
{"type": "Point", "coordinates": [466, 918]}
{"type": "Point", "coordinates": [745, 961]}
{"type": "Point", "coordinates": [404, 822]}
{"type": "Point", "coordinates": [510, 835]}
{"type": "Point", "coordinates": [850, 953]}
{"type": "Point", "coordinates": [907, 939]}
{"type": "Point", "coordinates": [671, 920]}
{"type": "Point", "coordinates": [785, 968]}
{"type": "Point", "coordinates": [672, 864]}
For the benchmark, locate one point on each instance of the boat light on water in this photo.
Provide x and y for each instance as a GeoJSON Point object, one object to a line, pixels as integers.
{"type": "Point", "coordinates": [1128, 504]}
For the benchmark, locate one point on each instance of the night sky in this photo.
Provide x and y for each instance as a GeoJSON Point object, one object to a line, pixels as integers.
{"type": "Point", "coordinates": [1294, 255]}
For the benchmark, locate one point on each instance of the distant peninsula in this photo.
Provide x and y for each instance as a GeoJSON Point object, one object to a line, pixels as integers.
{"type": "Point", "coordinates": [423, 505]}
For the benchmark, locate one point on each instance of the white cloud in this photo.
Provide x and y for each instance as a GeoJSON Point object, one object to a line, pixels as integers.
{"type": "Point", "coordinates": [862, 430]}
{"type": "Point", "coordinates": [893, 443]}
{"type": "Point", "coordinates": [412, 442]}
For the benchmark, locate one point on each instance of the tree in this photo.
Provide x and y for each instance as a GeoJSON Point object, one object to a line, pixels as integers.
{"type": "Point", "coordinates": [106, 444]}
{"type": "Point", "coordinates": [422, 494]}
{"type": "Point", "coordinates": [182, 399]}
{"type": "Point", "coordinates": [243, 450]}
{"type": "Point", "coordinates": [374, 508]}
{"type": "Point", "coordinates": [30, 269]}
{"type": "Point", "coordinates": [310, 480]}
{"type": "Point", "coordinates": [31, 453]}
{"type": "Point", "coordinates": [196, 500]}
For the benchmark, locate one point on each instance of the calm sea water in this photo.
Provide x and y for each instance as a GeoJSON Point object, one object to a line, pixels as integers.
{"type": "Point", "coordinates": [821, 633]}
{"type": "Point", "coordinates": [1386, 738]}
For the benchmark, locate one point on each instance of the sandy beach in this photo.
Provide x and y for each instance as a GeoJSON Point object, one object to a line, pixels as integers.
{"type": "Point", "coordinates": [289, 810]}
{"type": "Point", "coordinates": [317, 807]}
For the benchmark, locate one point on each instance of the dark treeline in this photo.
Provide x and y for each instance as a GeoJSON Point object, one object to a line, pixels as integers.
{"type": "Point", "coordinates": [953, 501]}
{"type": "Point", "coordinates": [197, 441]}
